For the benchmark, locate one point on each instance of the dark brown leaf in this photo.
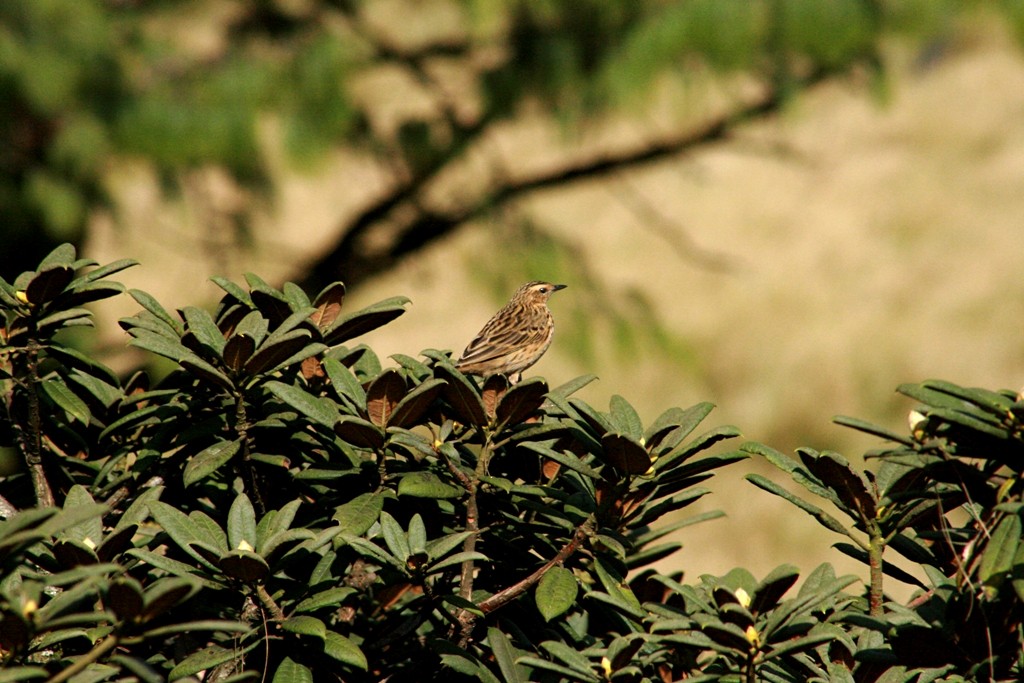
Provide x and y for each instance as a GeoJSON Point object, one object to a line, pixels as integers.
{"type": "Point", "coordinates": [383, 394]}
{"type": "Point", "coordinates": [494, 388]}
{"type": "Point", "coordinates": [124, 598]}
{"type": "Point", "coordinates": [47, 284]}
{"type": "Point", "coordinates": [847, 484]}
{"type": "Point", "coordinates": [461, 395]}
{"type": "Point", "coordinates": [625, 455]}
{"type": "Point", "coordinates": [274, 352]}
{"type": "Point", "coordinates": [312, 367]}
{"type": "Point", "coordinates": [237, 351]}
{"type": "Point", "coordinates": [328, 305]}
{"type": "Point", "coordinates": [272, 305]}
{"type": "Point", "coordinates": [244, 565]}
{"type": "Point", "coordinates": [359, 432]}
{"type": "Point", "coordinates": [116, 543]}
{"type": "Point", "coordinates": [416, 402]}
{"type": "Point", "coordinates": [521, 401]}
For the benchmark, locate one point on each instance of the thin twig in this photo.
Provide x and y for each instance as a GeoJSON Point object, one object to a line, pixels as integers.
{"type": "Point", "coordinates": [670, 230]}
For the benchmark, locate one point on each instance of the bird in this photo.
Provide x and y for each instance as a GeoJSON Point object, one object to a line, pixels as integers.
{"type": "Point", "coordinates": [515, 338]}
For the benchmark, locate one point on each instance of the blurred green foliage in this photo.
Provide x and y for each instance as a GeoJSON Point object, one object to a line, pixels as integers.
{"type": "Point", "coordinates": [184, 84]}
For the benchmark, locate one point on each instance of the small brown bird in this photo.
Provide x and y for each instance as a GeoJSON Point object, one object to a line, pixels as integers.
{"type": "Point", "coordinates": [515, 338]}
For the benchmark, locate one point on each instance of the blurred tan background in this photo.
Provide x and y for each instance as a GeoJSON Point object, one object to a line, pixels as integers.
{"type": "Point", "coordinates": [800, 269]}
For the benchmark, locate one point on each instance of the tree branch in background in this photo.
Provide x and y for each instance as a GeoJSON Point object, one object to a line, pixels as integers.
{"type": "Point", "coordinates": [353, 261]}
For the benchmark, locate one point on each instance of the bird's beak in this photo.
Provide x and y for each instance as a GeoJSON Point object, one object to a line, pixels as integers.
{"type": "Point", "coordinates": [558, 287]}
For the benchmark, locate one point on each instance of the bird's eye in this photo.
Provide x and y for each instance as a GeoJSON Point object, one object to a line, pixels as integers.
{"type": "Point", "coordinates": [543, 290]}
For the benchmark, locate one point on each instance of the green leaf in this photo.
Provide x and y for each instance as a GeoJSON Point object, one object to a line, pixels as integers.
{"type": "Point", "coordinates": [182, 530]}
{"type": "Point", "coordinates": [313, 407]}
{"type": "Point", "coordinates": [625, 418]}
{"type": "Point", "coordinates": [203, 370]}
{"type": "Point", "coordinates": [178, 569]}
{"type": "Point", "coordinates": [365, 320]}
{"type": "Point", "coordinates": [345, 383]}
{"type": "Point", "coordinates": [417, 535]}
{"type": "Point", "coordinates": [159, 344]}
{"type": "Point", "coordinates": [571, 674]}
{"type": "Point", "coordinates": [394, 537]}
{"type": "Point", "coordinates": [359, 514]}
{"type": "Point", "coordinates": [998, 557]}
{"type": "Point", "coordinates": [572, 386]}
{"type": "Point", "coordinates": [825, 519]}
{"type": "Point", "coordinates": [242, 524]}
{"type": "Point", "coordinates": [109, 269]}
{"type": "Point", "coordinates": [440, 547]}
{"type": "Point", "coordinates": [426, 484]}
{"type": "Point", "coordinates": [200, 323]}
{"type": "Point", "coordinates": [153, 306]}
{"type": "Point", "coordinates": [569, 656]}
{"type": "Point", "coordinates": [91, 528]}
{"type": "Point", "coordinates": [457, 558]}
{"type": "Point", "coordinates": [556, 592]}
{"type": "Point", "coordinates": [674, 425]}
{"type": "Point", "coordinates": [290, 671]}
{"type": "Point", "coordinates": [61, 255]}
{"type": "Point", "coordinates": [328, 598]}
{"type": "Point", "coordinates": [66, 400]}
{"type": "Point", "coordinates": [209, 460]}
{"type": "Point", "coordinates": [233, 289]}
{"type": "Point", "coordinates": [505, 655]}
{"type": "Point", "coordinates": [305, 625]}
{"type": "Point", "coordinates": [344, 650]}
{"type": "Point", "coordinates": [23, 673]}
{"type": "Point", "coordinates": [568, 459]}
{"type": "Point", "coordinates": [202, 660]}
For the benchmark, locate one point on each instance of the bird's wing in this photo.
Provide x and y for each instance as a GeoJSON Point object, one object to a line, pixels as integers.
{"type": "Point", "coordinates": [495, 342]}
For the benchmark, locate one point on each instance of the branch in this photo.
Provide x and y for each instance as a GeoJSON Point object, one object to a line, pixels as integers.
{"type": "Point", "coordinates": [268, 603]}
{"type": "Point", "coordinates": [32, 443]}
{"type": "Point", "coordinates": [503, 597]}
{"type": "Point", "coordinates": [357, 264]}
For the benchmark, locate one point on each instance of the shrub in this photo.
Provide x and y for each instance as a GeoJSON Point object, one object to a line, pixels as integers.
{"type": "Point", "coordinates": [281, 506]}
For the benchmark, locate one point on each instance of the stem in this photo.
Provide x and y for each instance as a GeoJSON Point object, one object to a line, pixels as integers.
{"type": "Point", "coordinates": [473, 518]}
{"type": "Point", "coordinates": [876, 546]}
{"type": "Point", "coordinates": [32, 444]}
{"type": "Point", "coordinates": [248, 472]}
{"type": "Point", "coordinates": [465, 617]}
{"type": "Point", "coordinates": [93, 655]}
{"type": "Point", "coordinates": [268, 603]}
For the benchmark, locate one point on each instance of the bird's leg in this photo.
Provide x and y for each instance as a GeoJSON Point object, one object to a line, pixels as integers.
{"type": "Point", "coordinates": [515, 377]}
